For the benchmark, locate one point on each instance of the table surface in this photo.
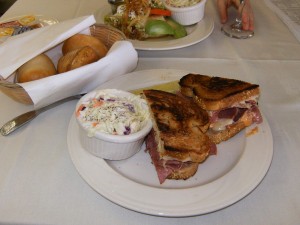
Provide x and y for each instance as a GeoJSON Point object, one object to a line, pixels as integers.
{"type": "Point", "coordinates": [40, 185]}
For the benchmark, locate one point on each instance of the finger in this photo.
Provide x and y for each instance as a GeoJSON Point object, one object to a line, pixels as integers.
{"type": "Point", "coordinates": [251, 17]}
{"type": "Point", "coordinates": [245, 21]}
{"type": "Point", "coordinates": [247, 17]}
{"type": "Point", "coordinates": [235, 3]}
{"type": "Point", "coordinates": [222, 7]}
{"type": "Point", "coordinates": [251, 22]}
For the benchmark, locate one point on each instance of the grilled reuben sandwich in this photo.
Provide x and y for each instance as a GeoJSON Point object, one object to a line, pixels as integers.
{"type": "Point", "coordinates": [177, 142]}
{"type": "Point", "coordinates": [231, 104]}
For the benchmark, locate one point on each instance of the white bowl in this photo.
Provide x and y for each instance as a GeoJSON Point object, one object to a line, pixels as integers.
{"type": "Point", "coordinates": [187, 15]}
{"type": "Point", "coordinates": [111, 146]}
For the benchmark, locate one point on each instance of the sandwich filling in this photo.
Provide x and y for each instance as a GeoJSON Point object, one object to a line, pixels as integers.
{"type": "Point", "coordinates": [164, 168]}
{"type": "Point", "coordinates": [245, 111]}
{"type": "Point", "coordinates": [230, 103]}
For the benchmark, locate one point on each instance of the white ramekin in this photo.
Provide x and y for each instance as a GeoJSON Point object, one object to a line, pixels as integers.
{"type": "Point", "coordinates": [108, 146]}
{"type": "Point", "coordinates": [187, 15]}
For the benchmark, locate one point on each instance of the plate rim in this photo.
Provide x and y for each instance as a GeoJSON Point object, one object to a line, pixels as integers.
{"type": "Point", "coordinates": [173, 44]}
{"type": "Point", "coordinates": [170, 194]}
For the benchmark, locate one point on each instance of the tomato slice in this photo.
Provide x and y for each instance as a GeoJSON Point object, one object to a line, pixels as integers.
{"type": "Point", "coordinates": [160, 12]}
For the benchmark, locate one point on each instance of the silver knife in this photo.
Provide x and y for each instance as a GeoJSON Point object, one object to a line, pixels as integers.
{"type": "Point", "coordinates": [23, 119]}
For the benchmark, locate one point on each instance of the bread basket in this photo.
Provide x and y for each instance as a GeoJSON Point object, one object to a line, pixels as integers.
{"type": "Point", "coordinates": [107, 34]}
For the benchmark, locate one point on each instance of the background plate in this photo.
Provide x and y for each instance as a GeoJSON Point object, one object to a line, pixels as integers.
{"type": "Point", "coordinates": [220, 181]}
{"type": "Point", "coordinates": [196, 33]}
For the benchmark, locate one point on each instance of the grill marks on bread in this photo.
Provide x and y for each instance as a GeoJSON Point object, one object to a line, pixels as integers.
{"type": "Point", "coordinates": [214, 93]}
{"type": "Point", "coordinates": [180, 124]}
{"type": "Point", "coordinates": [218, 88]}
{"type": "Point", "coordinates": [173, 117]}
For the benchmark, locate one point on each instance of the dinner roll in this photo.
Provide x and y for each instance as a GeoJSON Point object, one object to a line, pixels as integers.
{"type": "Point", "coordinates": [81, 40]}
{"type": "Point", "coordinates": [77, 58]}
{"type": "Point", "coordinates": [39, 67]}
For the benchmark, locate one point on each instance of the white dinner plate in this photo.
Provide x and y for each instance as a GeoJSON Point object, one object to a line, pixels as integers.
{"type": "Point", "coordinates": [223, 179]}
{"type": "Point", "coordinates": [196, 33]}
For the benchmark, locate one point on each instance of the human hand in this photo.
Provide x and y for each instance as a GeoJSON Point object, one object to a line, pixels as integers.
{"type": "Point", "coordinates": [247, 13]}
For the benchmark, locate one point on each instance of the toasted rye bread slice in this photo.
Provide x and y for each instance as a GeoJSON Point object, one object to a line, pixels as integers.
{"type": "Point", "coordinates": [215, 93]}
{"type": "Point", "coordinates": [166, 169]}
{"type": "Point", "coordinates": [179, 125]}
{"type": "Point", "coordinates": [184, 173]}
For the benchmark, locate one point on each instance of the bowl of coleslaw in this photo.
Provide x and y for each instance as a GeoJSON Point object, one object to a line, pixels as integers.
{"type": "Point", "coordinates": [113, 123]}
{"type": "Point", "coordinates": [186, 12]}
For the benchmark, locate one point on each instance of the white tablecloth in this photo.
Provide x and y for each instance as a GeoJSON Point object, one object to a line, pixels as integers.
{"type": "Point", "coordinates": [40, 185]}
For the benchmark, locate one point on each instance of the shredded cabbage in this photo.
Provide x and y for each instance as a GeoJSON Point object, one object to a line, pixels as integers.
{"type": "Point", "coordinates": [111, 114]}
{"type": "Point", "coordinates": [182, 3]}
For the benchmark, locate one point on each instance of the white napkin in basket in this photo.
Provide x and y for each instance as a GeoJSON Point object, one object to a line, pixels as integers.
{"type": "Point", "coordinates": [121, 59]}
{"type": "Point", "coordinates": [21, 48]}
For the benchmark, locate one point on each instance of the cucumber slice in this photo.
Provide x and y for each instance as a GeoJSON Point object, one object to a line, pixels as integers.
{"type": "Point", "coordinates": [179, 30]}
{"type": "Point", "coordinates": [158, 28]}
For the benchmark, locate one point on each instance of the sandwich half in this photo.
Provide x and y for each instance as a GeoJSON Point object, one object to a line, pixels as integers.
{"type": "Point", "coordinates": [177, 142]}
{"type": "Point", "coordinates": [232, 105]}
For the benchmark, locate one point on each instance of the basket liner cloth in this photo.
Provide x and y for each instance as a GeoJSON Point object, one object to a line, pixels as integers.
{"type": "Point", "coordinates": [121, 58]}
{"type": "Point", "coordinates": [21, 48]}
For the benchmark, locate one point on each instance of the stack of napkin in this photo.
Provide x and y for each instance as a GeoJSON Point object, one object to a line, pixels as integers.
{"type": "Point", "coordinates": [19, 49]}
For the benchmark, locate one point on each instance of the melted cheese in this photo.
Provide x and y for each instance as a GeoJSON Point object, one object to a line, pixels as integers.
{"type": "Point", "coordinates": [221, 124]}
{"type": "Point", "coordinates": [172, 87]}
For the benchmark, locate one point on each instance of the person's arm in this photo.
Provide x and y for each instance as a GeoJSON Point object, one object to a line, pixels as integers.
{"type": "Point", "coordinates": [247, 14]}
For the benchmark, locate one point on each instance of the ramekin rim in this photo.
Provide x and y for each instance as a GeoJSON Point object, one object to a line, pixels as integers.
{"type": "Point", "coordinates": [183, 9]}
